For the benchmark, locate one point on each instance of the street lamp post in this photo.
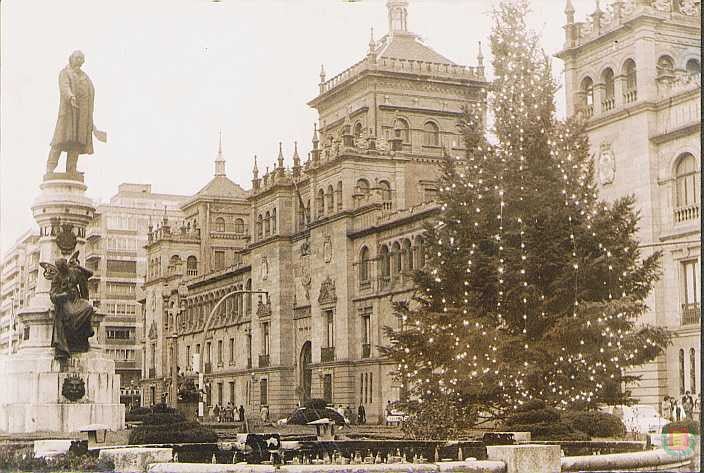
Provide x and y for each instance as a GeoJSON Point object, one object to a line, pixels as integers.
{"type": "Point", "coordinates": [177, 311]}
{"type": "Point", "coordinates": [206, 326]}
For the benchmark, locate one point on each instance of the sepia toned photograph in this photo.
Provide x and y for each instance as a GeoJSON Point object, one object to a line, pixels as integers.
{"type": "Point", "coordinates": [350, 236]}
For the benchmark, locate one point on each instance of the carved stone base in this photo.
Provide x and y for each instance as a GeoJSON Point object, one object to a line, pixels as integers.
{"type": "Point", "coordinates": [32, 399]}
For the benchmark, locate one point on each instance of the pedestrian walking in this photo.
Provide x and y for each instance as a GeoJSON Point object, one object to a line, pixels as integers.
{"type": "Point", "coordinates": [666, 408]}
{"type": "Point", "coordinates": [361, 414]}
{"type": "Point", "coordinates": [240, 413]}
{"type": "Point", "coordinates": [216, 412]}
{"type": "Point", "coordinates": [687, 405]}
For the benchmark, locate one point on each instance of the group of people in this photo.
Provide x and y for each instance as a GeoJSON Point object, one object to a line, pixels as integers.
{"type": "Point", "coordinates": [358, 418]}
{"type": "Point", "coordinates": [680, 409]}
{"type": "Point", "coordinates": [227, 413]}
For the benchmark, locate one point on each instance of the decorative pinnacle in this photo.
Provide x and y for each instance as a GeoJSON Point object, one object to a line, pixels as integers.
{"type": "Point", "coordinates": [480, 56]}
{"type": "Point", "coordinates": [315, 133]}
{"type": "Point", "coordinates": [280, 159]}
{"type": "Point", "coordinates": [255, 170]}
{"type": "Point", "coordinates": [296, 158]}
{"type": "Point", "coordinates": [322, 73]}
{"type": "Point", "coordinates": [372, 43]}
{"type": "Point", "coordinates": [598, 7]}
{"type": "Point", "coordinates": [220, 161]}
{"type": "Point", "coordinates": [569, 8]}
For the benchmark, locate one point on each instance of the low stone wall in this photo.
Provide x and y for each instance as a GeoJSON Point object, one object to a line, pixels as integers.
{"type": "Point", "coordinates": [135, 459]}
{"type": "Point", "coordinates": [456, 467]}
{"type": "Point", "coordinates": [659, 459]}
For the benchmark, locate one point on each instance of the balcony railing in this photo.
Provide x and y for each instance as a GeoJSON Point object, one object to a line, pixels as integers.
{"type": "Point", "coordinates": [327, 354]}
{"type": "Point", "coordinates": [366, 350]}
{"type": "Point", "coordinates": [691, 314]}
{"type": "Point", "coordinates": [630, 96]}
{"type": "Point", "coordinates": [588, 111]}
{"type": "Point", "coordinates": [263, 361]}
{"type": "Point", "coordinates": [384, 282]}
{"type": "Point", "coordinates": [686, 213]}
{"type": "Point", "coordinates": [608, 104]}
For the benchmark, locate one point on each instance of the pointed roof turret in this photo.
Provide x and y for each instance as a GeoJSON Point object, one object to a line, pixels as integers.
{"type": "Point", "coordinates": [480, 56]}
{"type": "Point", "coordinates": [255, 169]}
{"type": "Point", "coordinates": [296, 158]}
{"type": "Point", "coordinates": [220, 161]}
{"type": "Point", "coordinates": [372, 43]}
{"type": "Point", "coordinates": [322, 73]}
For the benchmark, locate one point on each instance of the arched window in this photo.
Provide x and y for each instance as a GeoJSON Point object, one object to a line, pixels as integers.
{"type": "Point", "coordinates": [665, 65]}
{"type": "Point", "coordinates": [692, 371]}
{"type": "Point", "coordinates": [694, 67]}
{"type": "Point", "coordinates": [338, 195]}
{"type": "Point", "coordinates": [273, 222]}
{"type": "Point", "coordinates": [267, 223]}
{"type": "Point", "coordinates": [259, 226]}
{"type": "Point", "coordinates": [687, 190]}
{"type": "Point", "coordinates": [174, 262]}
{"type": "Point", "coordinates": [631, 89]}
{"type": "Point", "coordinates": [219, 224]}
{"type": "Point", "coordinates": [320, 203]}
{"type": "Point", "coordinates": [301, 216]}
{"type": "Point", "coordinates": [362, 187]}
{"type": "Point", "coordinates": [308, 208]}
{"type": "Point", "coordinates": [364, 264]}
{"type": "Point", "coordinates": [405, 129]}
{"type": "Point", "coordinates": [396, 251]}
{"type": "Point", "coordinates": [239, 226]}
{"type": "Point", "coordinates": [330, 204]}
{"type": "Point", "coordinates": [420, 245]}
{"type": "Point", "coordinates": [385, 188]}
{"type": "Point", "coordinates": [407, 255]}
{"type": "Point", "coordinates": [384, 259]}
{"type": "Point", "coordinates": [358, 130]}
{"type": "Point", "coordinates": [431, 134]}
{"type": "Point", "coordinates": [587, 90]}
{"type": "Point", "coordinates": [681, 371]}
{"type": "Point", "coordinates": [192, 266]}
{"type": "Point", "coordinates": [609, 89]}
{"type": "Point", "coordinates": [248, 298]}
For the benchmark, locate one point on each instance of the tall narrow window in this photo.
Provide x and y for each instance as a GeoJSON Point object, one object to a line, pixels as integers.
{"type": "Point", "coordinates": [338, 195]}
{"type": "Point", "coordinates": [384, 259]}
{"type": "Point", "coordinates": [687, 190]}
{"type": "Point", "coordinates": [320, 203]}
{"type": "Point", "coordinates": [691, 289]}
{"type": "Point", "coordinates": [273, 222]}
{"type": "Point", "coordinates": [264, 392]}
{"type": "Point", "coordinates": [609, 89]}
{"type": "Point", "coordinates": [219, 262]}
{"type": "Point", "coordinates": [232, 351]}
{"type": "Point", "coordinates": [265, 338]}
{"type": "Point", "coordinates": [631, 89]}
{"type": "Point", "coordinates": [239, 226]}
{"type": "Point", "coordinates": [207, 352]}
{"type": "Point", "coordinates": [405, 130]}
{"type": "Point", "coordinates": [692, 371]}
{"type": "Point", "coordinates": [249, 350]}
{"type": "Point", "coordinates": [330, 204]}
{"type": "Point", "coordinates": [192, 266]}
{"type": "Point", "coordinates": [396, 252]}
{"type": "Point", "coordinates": [267, 223]}
{"type": "Point", "coordinates": [248, 298]}
{"type": "Point", "coordinates": [681, 371]}
{"type": "Point", "coordinates": [260, 227]}
{"type": "Point", "coordinates": [364, 265]}
{"type": "Point", "coordinates": [329, 329]}
{"type": "Point", "coordinates": [220, 351]}
{"type": "Point", "coordinates": [327, 388]}
{"type": "Point", "coordinates": [408, 255]}
{"type": "Point", "coordinates": [431, 134]}
{"type": "Point", "coordinates": [219, 224]}
{"type": "Point", "coordinates": [366, 335]}
{"type": "Point", "coordinates": [587, 90]}
{"type": "Point", "coordinates": [188, 358]}
{"type": "Point", "coordinates": [385, 188]}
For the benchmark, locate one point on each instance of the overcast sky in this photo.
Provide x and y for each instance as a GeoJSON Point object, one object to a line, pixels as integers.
{"type": "Point", "coordinates": [170, 74]}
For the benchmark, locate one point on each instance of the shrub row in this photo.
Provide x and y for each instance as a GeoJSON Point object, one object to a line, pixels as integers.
{"type": "Point", "coordinates": [181, 432]}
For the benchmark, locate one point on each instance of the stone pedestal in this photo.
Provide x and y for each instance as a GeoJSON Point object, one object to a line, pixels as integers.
{"type": "Point", "coordinates": [526, 458]}
{"type": "Point", "coordinates": [32, 397]}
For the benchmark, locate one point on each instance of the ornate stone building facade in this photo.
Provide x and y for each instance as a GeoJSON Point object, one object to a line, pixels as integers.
{"type": "Point", "coordinates": [330, 242]}
{"type": "Point", "coordinates": [633, 70]}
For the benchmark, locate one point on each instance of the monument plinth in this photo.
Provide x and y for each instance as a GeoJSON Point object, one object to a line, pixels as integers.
{"type": "Point", "coordinates": [60, 379]}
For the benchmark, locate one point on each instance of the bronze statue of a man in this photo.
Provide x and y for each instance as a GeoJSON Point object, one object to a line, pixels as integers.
{"type": "Point", "coordinates": [73, 312]}
{"type": "Point", "coordinates": [74, 126]}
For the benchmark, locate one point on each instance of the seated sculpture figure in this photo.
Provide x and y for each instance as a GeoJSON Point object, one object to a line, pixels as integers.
{"type": "Point", "coordinates": [73, 312]}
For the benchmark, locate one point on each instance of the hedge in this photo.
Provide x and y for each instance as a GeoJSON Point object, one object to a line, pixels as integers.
{"type": "Point", "coordinates": [550, 431]}
{"type": "Point", "coordinates": [595, 423]}
{"type": "Point", "coordinates": [181, 432]}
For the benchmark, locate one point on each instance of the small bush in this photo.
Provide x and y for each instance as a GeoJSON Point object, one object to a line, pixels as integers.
{"type": "Point", "coordinates": [691, 426]}
{"type": "Point", "coordinates": [182, 432]}
{"type": "Point", "coordinates": [140, 411]}
{"type": "Point", "coordinates": [595, 423]}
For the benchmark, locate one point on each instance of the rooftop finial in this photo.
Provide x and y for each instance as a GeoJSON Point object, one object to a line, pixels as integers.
{"type": "Point", "coordinates": [315, 135]}
{"type": "Point", "coordinates": [255, 169]}
{"type": "Point", "coordinates": [280, 159]}
{"type": "Point", "coordinates": [598, 7]}
{"type": "Point", "coordinates": [372, 43]}
{"type": "Point", "coordinates": [569, 9]}
{"type": "Point", "coordinates": [480, 56]}
{"type": "Point", "coordinates": [220, 161]}
{"type": "Point", "coordinates": [398, 15]}
{"type": "Point", "coordinates": [322, 73]}
{"type": "Point", "coordinates": [296, 158]}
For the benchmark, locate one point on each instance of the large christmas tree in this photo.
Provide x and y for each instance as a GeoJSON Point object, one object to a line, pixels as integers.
{"type": "Point", "coordinates": [533, 287]}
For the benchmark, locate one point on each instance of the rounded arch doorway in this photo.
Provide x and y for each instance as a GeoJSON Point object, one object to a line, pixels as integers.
{"type": "Point", "coordinates": [305, 372]}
